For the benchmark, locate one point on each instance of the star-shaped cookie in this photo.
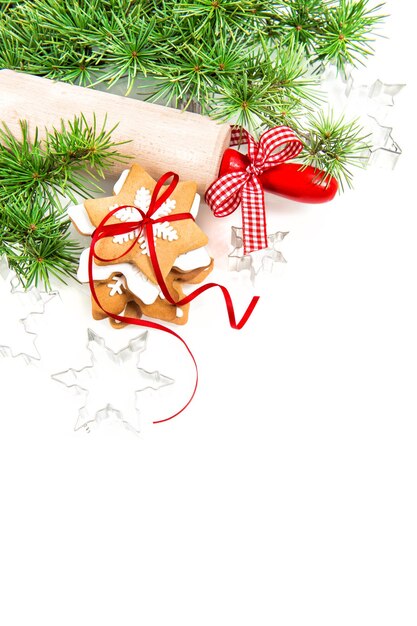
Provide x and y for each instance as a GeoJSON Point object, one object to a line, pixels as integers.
{"type": "Point", "coordinates": [172, 238]}
{"type": "Point", "coordinates": [126, 284]}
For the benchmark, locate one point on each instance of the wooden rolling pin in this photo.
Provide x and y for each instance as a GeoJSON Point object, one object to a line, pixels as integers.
{"type": "Point", "coordinates": [163, 138]}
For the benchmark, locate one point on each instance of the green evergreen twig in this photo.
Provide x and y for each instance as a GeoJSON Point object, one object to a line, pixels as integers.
{"type": "Point", "coordinates": [36, 241]}
{"type": "Point", "coordinates": [334, 146]}
{"type": "Point", "coordinates": [252, 62]}
{"type": "Point", "coordinates": [346, 38]}
{"type": "Point", "coordinates": [37, 177]}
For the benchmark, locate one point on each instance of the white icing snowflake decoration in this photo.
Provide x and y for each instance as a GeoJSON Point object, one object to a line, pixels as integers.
{"type": "Point", "coordinates": [142, 200]}
{"type": "Point", "coordinates": [118, 285]}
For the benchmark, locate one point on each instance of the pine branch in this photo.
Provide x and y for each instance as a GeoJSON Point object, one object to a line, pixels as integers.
{"type": "Point", "coordinates": [58, 165]}
{"type": "Point", "coordinates": [334, 146]}
{"type": "Point", "coordinates": [36, 178]}
{"type": "Point", "coordinates": [302, 21]}
{"type": "Point", "coordinates": [90, 41]}
{"type": "Point", "coordinates": [272, 88]}
{"type": "Point", "coordinates": [346, 37]}
{"type": "Point", "coordinates": [231, 17]}
{"type": "Point", "coordinates": [5, 5]}
{"type": "Point", "coordinates": [130, 47]}
{"type": "Point", "coordinates": [240, 61]}
{"type": "Point", "coordinates": [36, 241]}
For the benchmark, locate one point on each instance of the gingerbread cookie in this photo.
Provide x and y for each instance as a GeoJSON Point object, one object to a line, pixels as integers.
{"type": "Point", "coordinates": [128, 282]}
{"type": "Point", "coordinates": [172, 239]}
{"type": "Point", "coordinates": [116, 299]}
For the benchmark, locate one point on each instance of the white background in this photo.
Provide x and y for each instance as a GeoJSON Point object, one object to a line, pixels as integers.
{"type": "Point", "coordinates": [286, 493]}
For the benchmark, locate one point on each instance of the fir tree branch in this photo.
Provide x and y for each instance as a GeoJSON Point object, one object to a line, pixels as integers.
{"type": "Point", "coordinates": [67, 162]}
{"type": "Point", "coordinates": [346, 37]}
{"type": "Point", "coordinates": [36, 241]}
{"type": "Point", "coordinates": [301, 21]}
{"type": "Point", "coordinates": [242, 61]}
{"type": "Point", "coordinates": [36, 178]}
{"type": "Point", "coordinates": [272, 88]}
{"type": "Point", "coordinates": [334, 146]}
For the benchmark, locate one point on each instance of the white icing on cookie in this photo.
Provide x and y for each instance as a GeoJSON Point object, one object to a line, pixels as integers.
{"type": "Point", "coordinates": [162, 230]}
{"type": "Point", "coordinates": [78, 213]}
{"type": "Point", "coordinates": [195, 205]}
{"type": "Point", "coordinates": [117, 286]}
{"type": "Point", "coordinates": [120, 182]}
{"type": "Point", "coordinates": [192, 260]}
{"type": "Point", "coordinates": [136, 281]}
{"type": "Point", "coordinates": [130, 276]}
{"type": "Point", "coordinates": [79, 216]}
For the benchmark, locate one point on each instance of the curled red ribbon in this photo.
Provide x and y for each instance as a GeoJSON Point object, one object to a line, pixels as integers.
{"type": "Point", "coordinates": [145, 226]}
{"type": "Point", "coordinates": [245, 188]}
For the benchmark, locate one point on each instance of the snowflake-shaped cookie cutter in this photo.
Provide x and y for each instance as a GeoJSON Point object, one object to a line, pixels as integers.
{"type": "Point", "coordinates": [112, 383]}
{"type": "Point", "coordinates": [255, 263]}
{"type": "Point", "coordinates": [376, 101]}
{"type": "Point", "coordinates": [19, 308]}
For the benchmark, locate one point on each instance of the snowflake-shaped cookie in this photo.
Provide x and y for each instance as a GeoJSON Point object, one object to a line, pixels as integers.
{"type": "Point", "coordinates": [173, 238]}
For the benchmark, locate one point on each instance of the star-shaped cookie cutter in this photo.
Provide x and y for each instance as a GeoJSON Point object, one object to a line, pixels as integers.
{"type": "Point", "coordinates": [384, 151]}
{"type": "Point", "coordinates": [255, 263]}
{"type": "Point", "coordinates": [381, 93]}
{"type": "Point", "coordinates": [377, 101]}
{"type": "Point", "coordinates": [112, 383]}
{"type": "Point", "coordinates": [19, 308]}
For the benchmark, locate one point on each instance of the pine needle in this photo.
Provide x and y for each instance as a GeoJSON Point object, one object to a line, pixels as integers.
{"type": "Point", "coordinates": [250, 62]}
{"type": "Point", "coordinates": [36, 178]}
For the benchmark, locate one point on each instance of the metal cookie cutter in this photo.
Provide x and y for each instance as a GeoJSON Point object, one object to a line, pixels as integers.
{"type": "Point", "coordinates": [261, 261]}
{"type": "Point", "coordinates": [19, 306]}
{"type": "Point", "coordinates": [112, 383]}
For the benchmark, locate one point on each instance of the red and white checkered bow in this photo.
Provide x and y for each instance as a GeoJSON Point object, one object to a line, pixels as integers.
{"type": "Point", "coordinates": [244, 187]}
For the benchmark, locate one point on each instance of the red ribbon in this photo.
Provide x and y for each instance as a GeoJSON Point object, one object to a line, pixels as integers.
{"type": "Point", "coordinates": [145, 226]}
{"type": "Point", "coordinates": [244, 187]}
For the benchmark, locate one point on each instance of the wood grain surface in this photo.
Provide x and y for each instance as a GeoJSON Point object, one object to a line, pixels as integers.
{"type": "Point", "coordinates": [162, 138]}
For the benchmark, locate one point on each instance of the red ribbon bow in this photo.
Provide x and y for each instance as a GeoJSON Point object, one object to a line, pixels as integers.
{"type": "Point", "coordinates": [145, 225]}
{"type": "Point", "coordinates": [244, 187]}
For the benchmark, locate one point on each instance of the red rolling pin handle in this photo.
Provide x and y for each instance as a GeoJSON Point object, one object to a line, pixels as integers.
{"type": "Point", "coordinates": [288, 180]}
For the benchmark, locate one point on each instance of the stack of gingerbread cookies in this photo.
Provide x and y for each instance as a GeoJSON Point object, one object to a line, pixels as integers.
{"type": "Point", "coordinates": [128, 286]}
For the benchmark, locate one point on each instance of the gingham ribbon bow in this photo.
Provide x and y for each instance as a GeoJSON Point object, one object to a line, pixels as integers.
{"type": "Point", "coordinates": [244, 187]}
